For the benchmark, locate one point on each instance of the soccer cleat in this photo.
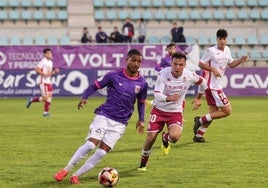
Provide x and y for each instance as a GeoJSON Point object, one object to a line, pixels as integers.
{"type": "Point", "coordinates": [46, 115]}
{"type": "Point", "coordinates": [166, 150]}
{"type": "Point", "coordinates": [197, 124]}
{"type": "Point", "coordinates": [29, 102]}
{"type": "Point", "coordinates": [60, 175]}
{"type": "Point", "coordinates": [74, 180]}
{"type": "Point", "coordinates": [199, 139]}
{"type": "Point", "coordinates": [143, 169]}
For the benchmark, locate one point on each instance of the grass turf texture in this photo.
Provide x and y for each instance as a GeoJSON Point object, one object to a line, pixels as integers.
{"type": "Point", "coordinates": [33, 148]}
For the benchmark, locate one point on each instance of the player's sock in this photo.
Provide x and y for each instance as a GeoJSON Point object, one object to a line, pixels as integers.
{"type": "Point", "coordinates": [80, 154]}
{"type": "Point", "coordinates": [46, 106]}
{"type": "Point", "coordinates": [144, 158]}
{"type": "Point", "coordinates": [91, 162]}
{"type": "Point", "coordinates": [205, 119]}
{"type": "Point", "coordinates": [200, 132]}
{"type": "Point", "coordinates": [37, 99]}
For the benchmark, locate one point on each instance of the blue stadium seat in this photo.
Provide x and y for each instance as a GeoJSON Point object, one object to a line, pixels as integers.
{"type": "Point", "coordinates": [38, 15]}
{"type": "Point", "coordinates": [252, 40]}
{"type": "Point", "coordinates": [3, 15]}
{"type": "Point", "coordinates": [254, 15]}
{"type": "Point", "coordinates": [205, 3]}
{"type": "Point", "coordinates": [122, 15]}
{"type": "Point", "coordinates": [26, 4]}
{"type": "Point", "coordinates": [183, 15]}
{"type": "Point", "coordinates": [218, 15]}
{"type": "Point", "coordinates": [40, 40]}
{"type": "Point", "coordinates": [14, 3]}
{"type": "Point", "coordinates": [241, 52]}
{"type": "Point", "coordinates": [3, 4]}
{"type": "Point", "coordinates": [264, 40]}
{"type": "Point", "coordinates": [193, 3]}
{"type": "Point", "coordinates": [135, 15]}
{"type": "Point", "coordinates": [50, 3]}
{"type": "Point", "coordinates": [157, 3]}
{"type": "Point", "coordinates": [240, 3]}
{"type": "Point", "coordinates": [26, 15]}
{"type": "Point", "coordinates": [263, 3]}
{"type": "Point", "coordinates": [206, 15]}
{"type": "Point", "coordinates": [169, 3]}
{"type": "Point", "coordinates": [264, 14]}
{"type": "Point", "coordinates": [15, 40]}
{"type": "Point", "coordinates": [216, 3]}
{"type": "Point", "coordinates": [62, 15]}
{"type": "Point", "coordinates": [52, 40]}
{"type": "Point", "coordinates": [203, 40]}
{"type": "Point", "coordinates": [122, 3]}
{"type": "Point", "coordinates": [230, 40]}
{"type": "Point", "coordinates": [165, 39]}
{"type": "Point", "coordinates": [233, 54]}
{"type": "Point", "coordinates": [147, 15]}
{"type": "Point", "coordinates": [51, 15]}
{"type": "Point", "coordinates": [171, 15]}
{"type": "Point", "coordinates": [194, 15]}
{"type": "Point", "coordinates": [181, 3]}
{"type": "Point", "coordinates": [240, 40]}
{"type": "Point", "coordinates": [134, 4]}
{"type": "Point", "coordinates": [159, 15]}
{"type": "Point", "coordinates": [213, 40]}
{"type": "Point", "coordinates": [254, 54]}
{"type": "Point", "coordinates": [37, 3]}
{"type": "Point", "coordinates": [252, 3]}
{"type": "Point", "coordinates": [98, 3]}
{"type": "Point", "coordinates": [61, 3]}
{"type": "Point", "coordinates": [230, 15]}
{"type": "Point", "coordinates": [228, 3]}
{"type": "Point", "coordinates": [3, 40]}
{"type": "Point", "coordinates": [99, 15]}
{"type": "Point", "coordinates": [145, 3]}
{"type": "Point", "coordinates": [153, 40]}
{"type": "Point", "coordinates": [14, 15]}
{"type": "Point", "coordinates": [242, 15]}
{"type": "Point", "coordinates": [190, 39]}
{"type": "Point", "coordinates": [27, 40]}
{"type": "Point", "coordinates": [110, 3]}
{"type": "Point", "coordinates": [265, 54]}
{"type": "Point", "coordinates": [111, 15]}
{"type": "Point", "coordinates": [65, 40]}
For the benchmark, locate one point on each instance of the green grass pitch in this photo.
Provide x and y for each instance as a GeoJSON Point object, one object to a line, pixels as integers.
{"type": "Point", "coordinates": [33, 148]}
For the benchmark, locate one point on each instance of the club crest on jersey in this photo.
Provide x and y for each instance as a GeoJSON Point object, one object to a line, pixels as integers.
{"type": "Point", "coordinates": [137, 88]}
{"type": "Point", "coordinates": [184, 79]}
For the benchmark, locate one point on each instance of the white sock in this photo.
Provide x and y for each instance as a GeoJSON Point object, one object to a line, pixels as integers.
{"type": "Point", "coordinates": [91, 162]}
{"type": "Point", "coordinates": [80, 154]}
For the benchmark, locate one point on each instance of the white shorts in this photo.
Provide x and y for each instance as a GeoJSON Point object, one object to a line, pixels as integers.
{"type": "Point", "coordinates": [106, 130]}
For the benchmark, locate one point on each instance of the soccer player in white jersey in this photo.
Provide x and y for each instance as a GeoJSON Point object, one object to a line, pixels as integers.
{"type": "Point", "coordinates": [214, 62]}
{"type": "Point", "coordinates": [169, 93]}
{"type": "Point", "coordinates": [124, 88]}
{"type": "Point", "coordinates": [45, 69]}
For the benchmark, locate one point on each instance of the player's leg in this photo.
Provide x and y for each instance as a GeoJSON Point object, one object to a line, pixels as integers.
{"type": "Point", "coordinates": [47, 98]}
{"type": "Point", "coordinates": [146, 149]}
{"type": "Point", "coordinates": [37, 99]}
{"type": "Point", "coordinates": [111, 135]}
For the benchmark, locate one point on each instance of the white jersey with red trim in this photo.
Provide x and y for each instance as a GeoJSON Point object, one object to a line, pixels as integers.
{"type": "Point", "coordinates": [46, 66]}
{"type": "Point", "coordinates": [217, 59]}
{"type": "Point", "coordinates": [167, 84]}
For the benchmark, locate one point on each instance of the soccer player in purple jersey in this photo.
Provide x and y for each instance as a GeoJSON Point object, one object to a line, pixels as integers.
{"type": "Point", "coordinates": [169, 94]}
{"type": "Point", "coordinates": [124, 87]}
{"type": "Point", "coordinates": [214, 63]}
{"type": "Point", "coordinates": [166, 61]}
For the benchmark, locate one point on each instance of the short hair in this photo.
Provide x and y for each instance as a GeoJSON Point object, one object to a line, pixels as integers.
{"type": "Point", "coordinates": [133, 52]}
{"type": "Point", "coordinates": [171, 45]}
{"type": "Point", "coordinates": [179, 55]}
{"type": "Point", "coordinates": [222, 33]}
{"type": "Point", "coordinates": [46, 50]}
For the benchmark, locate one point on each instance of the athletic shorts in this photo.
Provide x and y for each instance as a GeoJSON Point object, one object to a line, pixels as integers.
{"type": "Point", "coordinates": [159, 118]}
{"type": "Point", "coordinates": [216, 98]}
{"type": "Point", "coordinates": [106, 130]}
{"type": "Point", "coordinates": [46, 89]}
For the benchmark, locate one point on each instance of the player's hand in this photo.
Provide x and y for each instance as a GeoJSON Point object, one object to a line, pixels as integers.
{"type": "Point", "coordinates": [56, 70]}
{"type": "Point", "coordinates": [82, 103]}
{"type": "Point", "coordinates": [243, 59]}
{"type": "Point", "coordinates": [216, 73]}
{"type": "Point", "coordinates": [196, 103]}
{"type": "Point", "coordinates": [140, 127]}
{"type": "Point", "coordinates": [173, 98]}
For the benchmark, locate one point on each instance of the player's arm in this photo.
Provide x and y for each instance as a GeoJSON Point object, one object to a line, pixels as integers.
{"type": "Point", "coordinates": [201, 89]}
{"type": "Point", "coordinates": [239, 61]}
{"type": "Point", "coordinates": [141, 109]}
{"type": "Point", "coordinates": [40, 72]}
{"type": "Point", "coordinates": [206, 67]}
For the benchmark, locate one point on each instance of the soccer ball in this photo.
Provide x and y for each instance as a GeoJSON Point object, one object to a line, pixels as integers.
{"type": "Point", "coordinates": [108, 177]}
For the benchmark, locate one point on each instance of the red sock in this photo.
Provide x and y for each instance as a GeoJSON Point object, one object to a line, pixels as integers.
{"type": "Point", "coordinates": [35, 99]}
{"type": "Point", "coordinates": [144, 161]}
{"type": "Point", "coordinates": [46, 106]}
{"type": "Point", "coordinates": [165, 137]}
